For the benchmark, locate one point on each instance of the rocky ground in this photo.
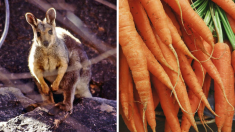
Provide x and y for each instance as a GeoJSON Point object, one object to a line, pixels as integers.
{"type": "Point", "coordinates": [89, 115]}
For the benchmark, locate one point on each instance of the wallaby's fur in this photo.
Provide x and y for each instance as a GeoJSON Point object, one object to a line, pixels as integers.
{"type": "Point", "coordinates": [54, 51]}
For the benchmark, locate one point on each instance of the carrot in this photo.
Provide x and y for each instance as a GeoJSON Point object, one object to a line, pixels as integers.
{"type": "Point", "coordinates": [206, 88]}
{"type": "Point", "coordinates": [129, 123]}
{"type": "Point", "coordinates": [233, 60]}
{"type": "Point", "coordinates": [126, 92]}
{"type": "Point", "coordinates": [176, 110]}
{"type": "Point", "coordinates": [130, 95]}
{"type": "Point", "coordinates": [193, 81]}
{"type": "Point", "coordinates": [208, 65]}
{"type": "Point", "coordinates": [157, 16]}
{"type": "Point", "coordinates": [194, 36]}
{"type": "Point", "coordinates": [191, 17]}
{"type": "Point", "coordinates": [130, 42]}
{"type": "Point", "coordinates": [207, 47]}
{"type": "Point", "coordinates": [155, 98]}
{"type": "Point", "coordinates": [160, 73]}
{"type": "Point", "coordinates": [135, 116]}
{"type": "Point", "coordinates": [145, 30]}
{"type": "Point", "coordinates": [195, 92]}
{"type": "Point", "coordinates": [223, 65]}
{"type": "Point", "coordinates": [227, 127]}
{"type": "Point", "coordinates": [194, 102]}
{"type": "Point", "coordinates": [167, 127]}
{"type": "Point", "coordinates": [167, 104]}
{"type": "Point", "coordinates": [177, 41]}
{"type": "Point", "coordinates": [124, 83]}
{"type": "Point", "coordinates": [155, 68]}
{"type": "Point", "coordinates": [150, 113]}
{"type": "Point", "coordinates": [180, 87]}
{"type": "Point", "coordinates": [140, 108]}
{"type": "Point", "coordinates": [171, 15]}
{"type": "Point", "coordinates": [231, 22]}
{"type": "Point", "coordinates": [227, 5]}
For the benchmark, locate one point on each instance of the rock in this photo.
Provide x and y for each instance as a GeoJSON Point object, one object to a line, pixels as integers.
{"type": "Point", "coordinates": [90, 114]}
{"type": "Point", "coordinates": [108, 89]}
{"type": "Point", "coordinates": [12, 102]}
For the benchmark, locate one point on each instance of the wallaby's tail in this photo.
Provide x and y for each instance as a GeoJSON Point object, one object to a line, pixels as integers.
{"type": "Point", "coordinates": [82, 89]}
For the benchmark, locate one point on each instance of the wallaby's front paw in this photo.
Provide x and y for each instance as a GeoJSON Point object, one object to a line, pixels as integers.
{"type": "Point", "coordinates": [55, 86]}
{"type": "Point", "coordinates": [65, 107]}
{"type": "Point", "coordinates": [45, 89]}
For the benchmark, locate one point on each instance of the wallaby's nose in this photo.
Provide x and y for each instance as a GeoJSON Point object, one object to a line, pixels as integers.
{"type": "Point", "coordinates": [45, 43]}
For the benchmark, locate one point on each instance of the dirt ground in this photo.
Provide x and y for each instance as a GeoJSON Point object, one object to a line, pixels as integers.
{"type": "Point", "coordinates": [98, 18]}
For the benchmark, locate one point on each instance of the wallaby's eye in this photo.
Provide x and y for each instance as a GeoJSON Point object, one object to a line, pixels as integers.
{"type": "Point", "coordinates": [50, 32]}
{"type": "Point", "coordinates": [38, 34]}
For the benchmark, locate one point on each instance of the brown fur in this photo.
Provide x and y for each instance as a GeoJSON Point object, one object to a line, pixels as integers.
{"type": "Point", "coordinates": [58, 57]}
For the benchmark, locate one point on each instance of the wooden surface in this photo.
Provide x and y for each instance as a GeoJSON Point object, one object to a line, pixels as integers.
{"type": "Point", "coordinates": [160, 127]}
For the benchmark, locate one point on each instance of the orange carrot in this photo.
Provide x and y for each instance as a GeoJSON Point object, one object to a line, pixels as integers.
{"type": "Point", "coordinates": [195, 93]}
{"type": "Point", "coordinates": [155, 68]}
{"type": "Point", "coordinates": [206, 88]}
{"type": "Point", "coordinates": [167, 127]}
{"type": "Point", "coordinates": [208, 65]}
{"type": "Point", "coordinates": [194, 102]}
{"type": "Point", "coordinates": [194, 36]}
{"type": "Point", "coordinates": [145, 30]}
{"type": "Point", "coordinates": [227, 5]}
{"type": "Point", "coordinates": [227, 127]}
{"type": "Point", "coordinates": [167, 104]}
{"type": "Point", "coordinates": [157, 16]}
{"type": "Point", "coordinates": [129, 123]}
{"type": "Point", "coordinates": [177, 41]}
{"type": "Point", "coordinates": [233, 60]}
{"type": "Point", "coordinates": [191, 17]}
{"type": "Point", "coordinates": [126, 92]}
{"type": "Point", "coordinates": [180, 87]}
{"type": "Point", "coordinates": [135, 116]}
{"type": "Point", "coordinates": [150, 113]}
{"type": "Point", "coordinates": [231, 22]}
{"type": "Point", "coordinates": [140, 108]}
{"type": "Point", "coordinates": [171, 15]}
{"type": "Point", "coordinates": [130, 42]}
{"type": "Point", "coordinates": [124, 83]}
{"type": "Point", "coordinates": [223, 65]}
{"type": "Point", "coordinates": [155, 98]}
{"type": "Point", "coordinates": [175, 111]}
{"type": "Point", "coordinates": [137, 119]}
{"type": "Point", "coordinates": [193, 81]}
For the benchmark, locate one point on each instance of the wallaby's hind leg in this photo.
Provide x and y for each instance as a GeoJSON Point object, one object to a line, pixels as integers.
{"type": "Point", "coordinates": [68, 84]}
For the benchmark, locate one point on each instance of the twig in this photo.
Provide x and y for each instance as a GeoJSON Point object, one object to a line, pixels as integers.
{"type": "Point", "coordinates": [110, 5]}
{"type": "Point", "coordinates": [7, 21]}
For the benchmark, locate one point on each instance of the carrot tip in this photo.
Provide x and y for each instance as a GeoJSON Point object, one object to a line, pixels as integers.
{"type": "Point", "coordinates": [126, 113]}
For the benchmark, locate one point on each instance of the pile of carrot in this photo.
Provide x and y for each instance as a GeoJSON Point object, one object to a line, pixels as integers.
{"type": "Point", "coordinates": [169, 56]}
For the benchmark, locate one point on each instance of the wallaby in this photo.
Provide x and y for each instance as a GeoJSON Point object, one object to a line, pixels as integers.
{"type": "Point", "coordinates": [58, 57]}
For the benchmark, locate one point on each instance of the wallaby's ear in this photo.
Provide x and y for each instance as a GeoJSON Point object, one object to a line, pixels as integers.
{"type": "Point", "coordinates": [50, 16]}
{"type": "Point", "coordinates": [30, 18]}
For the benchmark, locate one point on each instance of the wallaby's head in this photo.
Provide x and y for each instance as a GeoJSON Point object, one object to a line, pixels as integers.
{"type": "Point", "coordinates": [44, 31]}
